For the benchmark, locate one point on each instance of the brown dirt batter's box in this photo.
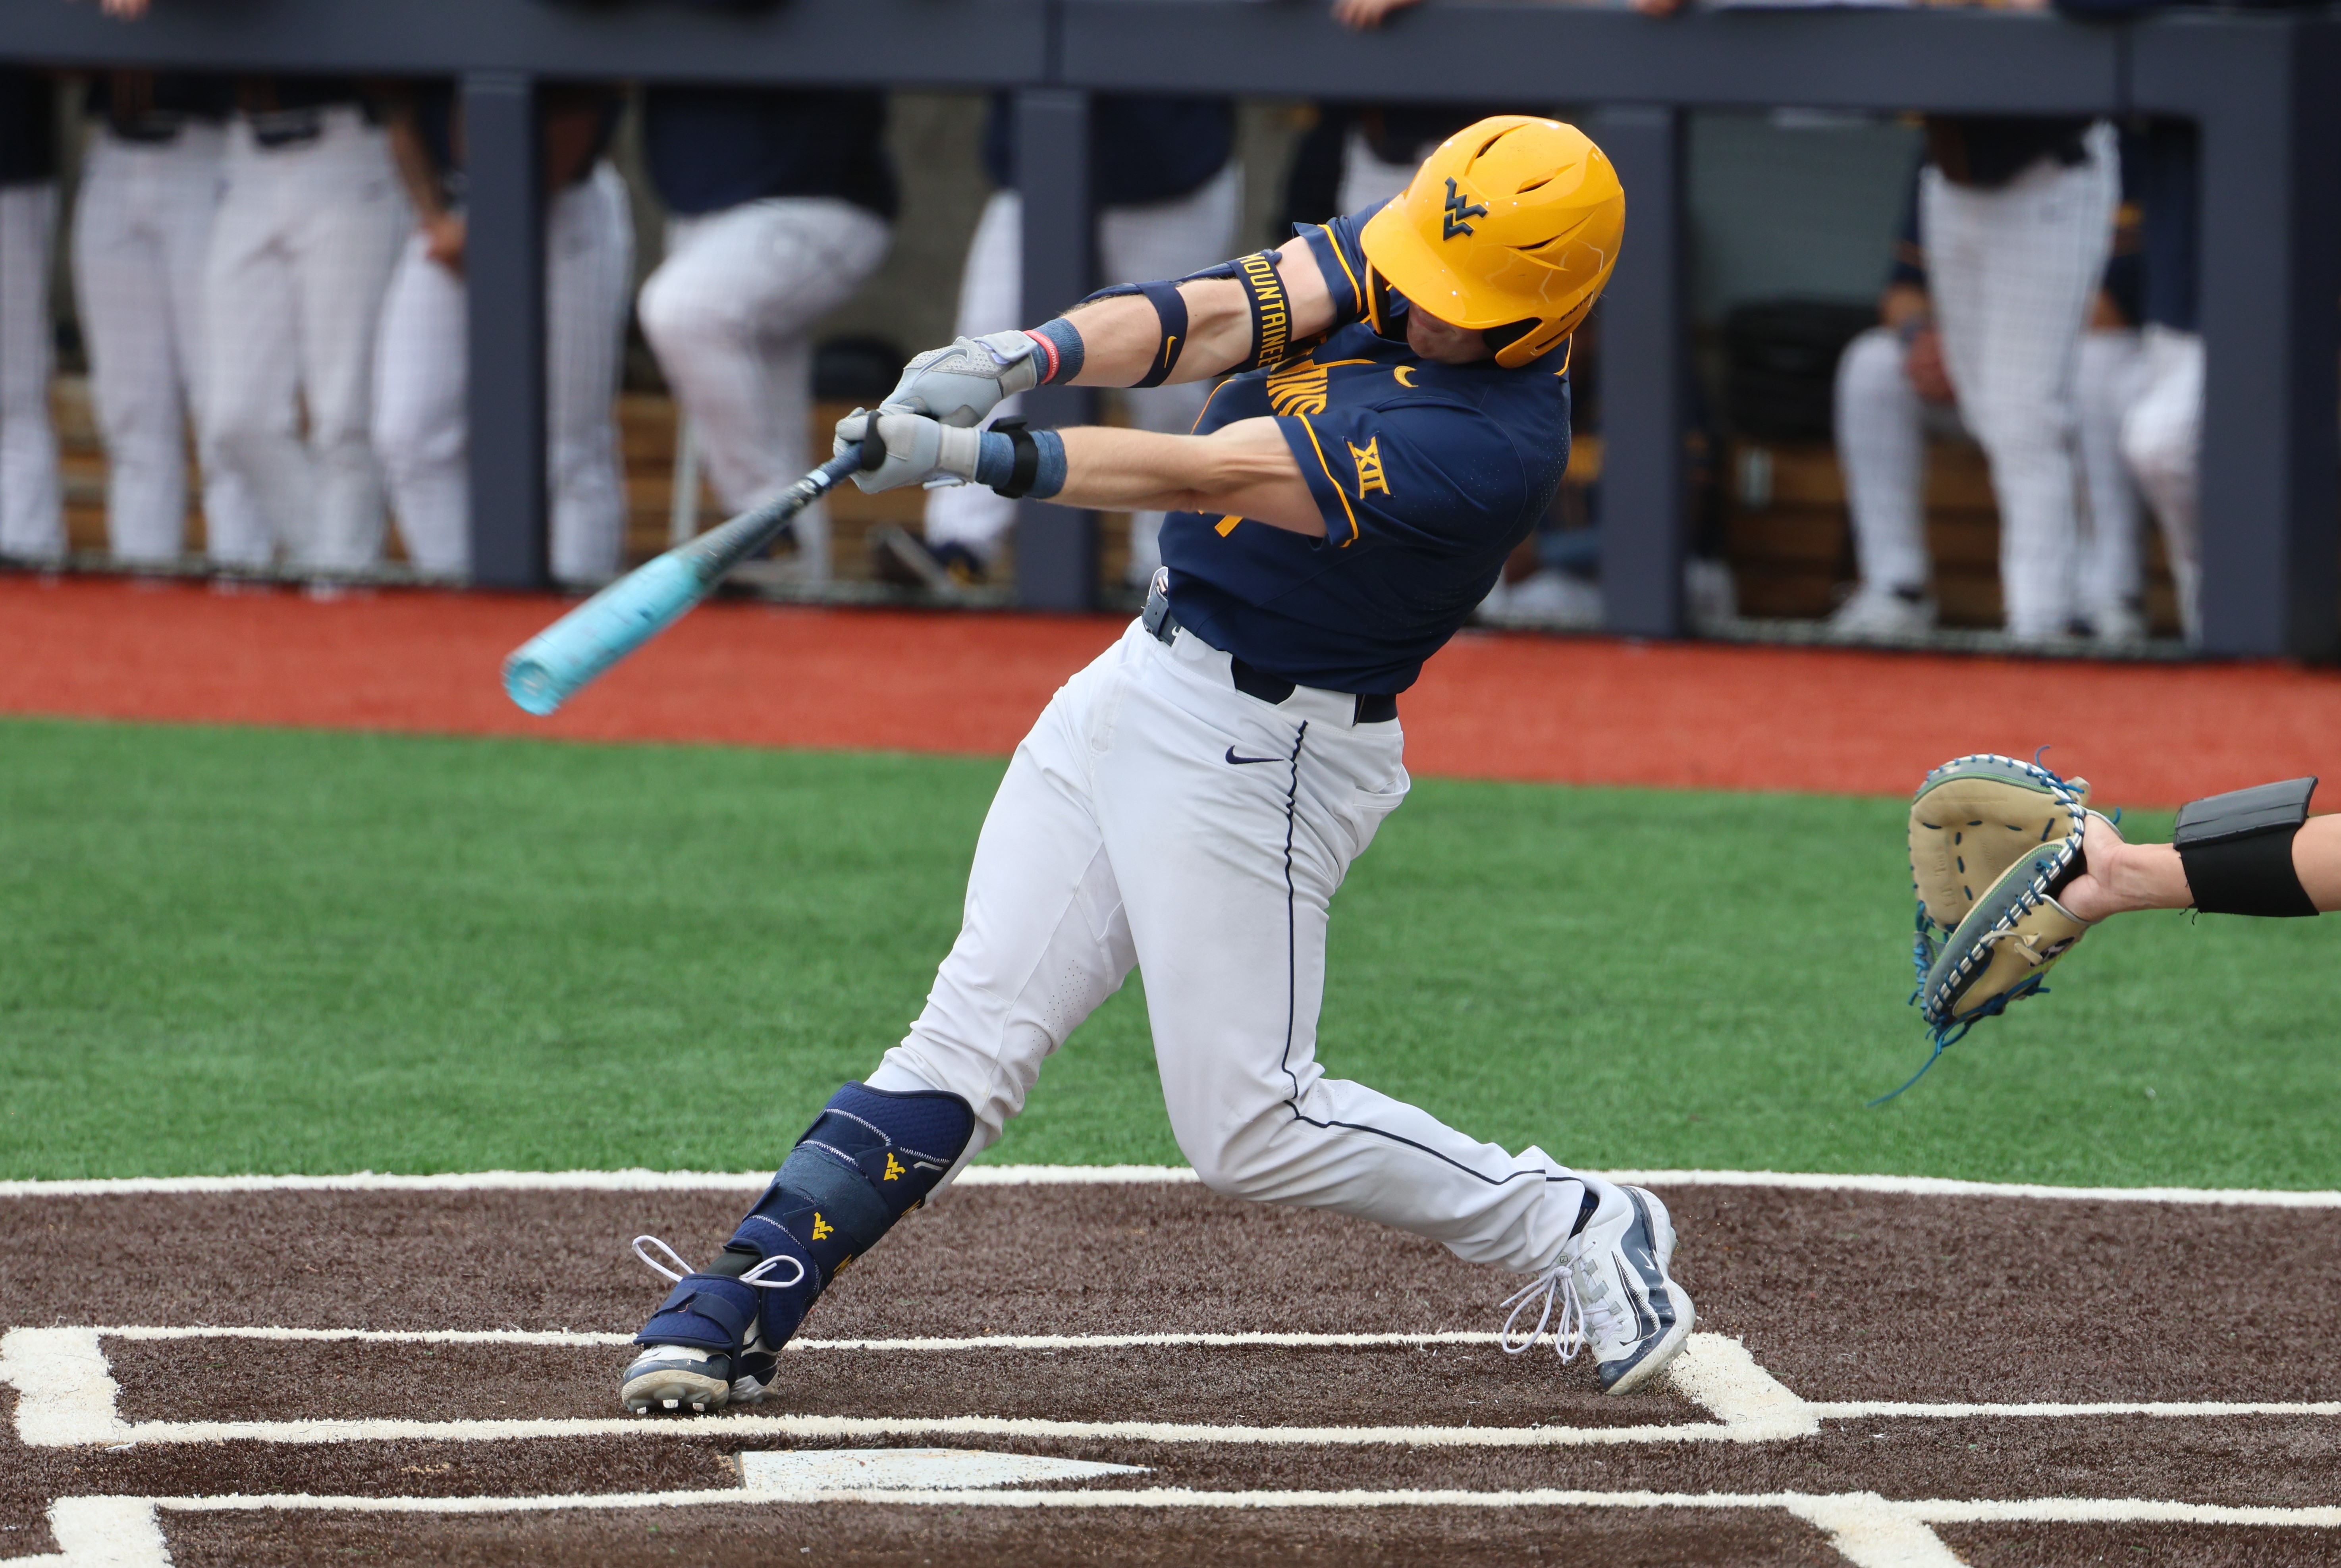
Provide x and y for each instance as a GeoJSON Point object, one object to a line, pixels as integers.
{"type": "Point", "coordinates": [1314, 1390]}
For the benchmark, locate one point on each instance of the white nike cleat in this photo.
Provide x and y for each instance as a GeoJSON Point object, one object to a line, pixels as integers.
{"type": "Point", "coordinates": [1613, 1292]}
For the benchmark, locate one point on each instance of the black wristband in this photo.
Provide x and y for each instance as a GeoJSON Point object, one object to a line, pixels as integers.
{"type": "Point", "coordinates": [1171, 311]}
{"type": "Point", "coordinates": [2237, 850]}
{"type": "Point", "coordinates": [1027, 459]}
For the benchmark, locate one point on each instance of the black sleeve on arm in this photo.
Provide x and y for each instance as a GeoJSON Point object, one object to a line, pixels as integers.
{"type": "Point", "coordinates": [2236, 849]}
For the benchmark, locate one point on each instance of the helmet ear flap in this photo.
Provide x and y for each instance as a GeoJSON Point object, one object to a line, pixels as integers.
{"type": "Point", "coordinates": [1534, 345]}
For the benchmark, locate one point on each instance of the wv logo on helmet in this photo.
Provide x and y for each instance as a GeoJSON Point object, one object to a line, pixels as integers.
{"type": "Point", "coordinates": [1459, 209]}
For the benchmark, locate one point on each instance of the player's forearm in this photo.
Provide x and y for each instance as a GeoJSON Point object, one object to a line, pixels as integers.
{"type": "Point", "coordinates": [1244, 470]}
{"type": "Point", "coordinates": [2151, 876]}
{"type": "Point", "coordinates": [1121, 336]}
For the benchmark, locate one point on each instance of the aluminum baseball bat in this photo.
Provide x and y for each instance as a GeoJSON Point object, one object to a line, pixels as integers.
{"type": "Point", "coordinates": [554, 665]}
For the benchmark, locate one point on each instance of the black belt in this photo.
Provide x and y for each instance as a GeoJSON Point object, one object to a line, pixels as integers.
{"type": "Point", "coordinates": [1372, 708]}
{"type": "Point", "coordinates": [276, 129]}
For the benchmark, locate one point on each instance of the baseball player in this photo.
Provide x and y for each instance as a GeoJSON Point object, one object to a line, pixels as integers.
{"type": "Point", "coordinates": [2018, 218]}
{"type": "Point", "coordinates": [2162, 427]}
{"type": "Point", "coordinates": [1397, 422]}
{"type": "Point", "coordinates": [779, 206]}
{"type": "Point", "coordinates": [32, 513]}
{"type": "Point", "coordinates": [1168, 195]}
{"type": "Point", "coordinates": [150, 192]}
{"type": "Point", "coordinates": [1893, 388]}
{"type": "Point", "coordinates": [301, 252]}
{"type": "Point", "coordinates": [420, 419]}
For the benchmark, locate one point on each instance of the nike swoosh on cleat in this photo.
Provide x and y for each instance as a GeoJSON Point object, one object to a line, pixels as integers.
{"type": "Point", "coordinates": [1239, 762]}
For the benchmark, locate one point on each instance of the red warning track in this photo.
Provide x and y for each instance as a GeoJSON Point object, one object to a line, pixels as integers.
{"type": "Point", "coordinates": [1574, 710]}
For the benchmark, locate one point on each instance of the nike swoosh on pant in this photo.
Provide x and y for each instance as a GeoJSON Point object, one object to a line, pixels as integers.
{"type": "Point", "coordinates": [1240, 762]}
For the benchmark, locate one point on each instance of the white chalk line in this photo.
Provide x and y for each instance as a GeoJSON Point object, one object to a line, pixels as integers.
{"type": "Point", "coordinates": [639, 1181]}
{"type": "Point", "coordinates": [588, 1341]}
{"type": "Point", "coordinates": [1868, 1529]}
{"type": "Point", "coordinates": [66, 1396]}
{"type": "Point", "coordinates": [2022, 1510]}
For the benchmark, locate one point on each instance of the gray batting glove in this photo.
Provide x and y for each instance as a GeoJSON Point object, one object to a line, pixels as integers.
{"type": "Point", "coordinates": [962, 384]}
{"type": "Point", "coordinates": [900, 449]}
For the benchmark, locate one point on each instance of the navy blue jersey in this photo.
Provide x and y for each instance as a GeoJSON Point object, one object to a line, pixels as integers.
{"type": "Point", "coordinates": [1427, 476]}
{"type": "Point", "coordinates": [709, 148]}
{"type": "Point", "coordinates": [1144, 147]}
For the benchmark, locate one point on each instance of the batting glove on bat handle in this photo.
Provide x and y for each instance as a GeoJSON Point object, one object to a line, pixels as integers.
{"type": "Point", "coordinates": [960, 384]}
{"type": "Point", "coordinates": [910, 448]}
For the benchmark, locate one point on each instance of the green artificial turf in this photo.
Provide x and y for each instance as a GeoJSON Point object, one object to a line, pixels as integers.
{"type": "Point", "coordinates": [231, 950]}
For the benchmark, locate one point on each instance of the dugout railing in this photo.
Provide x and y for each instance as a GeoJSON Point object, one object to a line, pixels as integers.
{"type": "Point", "coordinates": [2266, 89]}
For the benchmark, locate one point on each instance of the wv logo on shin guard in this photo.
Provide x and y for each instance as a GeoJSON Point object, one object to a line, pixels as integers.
{"type": "Point", "coordinates": [1459, 208]}
{"type": "Point", "coordinates": [822, 1229]}
{"type": "Point", "coordinates": [893, 1169]}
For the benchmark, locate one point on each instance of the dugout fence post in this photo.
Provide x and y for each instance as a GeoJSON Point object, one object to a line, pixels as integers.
{"type": "Point", "coordinates": [2263, 91]}
{"type": "Point", "coordinates": [1644, 401]}
{"type": "Point", "coordinates": [503, 281]}
{"type": "Point", "coordinates": [1056, 546]}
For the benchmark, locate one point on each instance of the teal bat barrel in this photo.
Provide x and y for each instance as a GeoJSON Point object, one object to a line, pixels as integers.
{"type": "Point", "coordinates": [553, 667]}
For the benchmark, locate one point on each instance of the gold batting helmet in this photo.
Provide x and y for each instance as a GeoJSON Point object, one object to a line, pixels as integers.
{"type": "Point", "coordinates": [1511, 223]}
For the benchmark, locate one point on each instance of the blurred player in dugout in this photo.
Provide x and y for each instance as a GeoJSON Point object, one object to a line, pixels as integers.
{"type": "Point", "coordinates": [1894, 387]}
{"type": "Point", "coordinates": [779, 205]}
{"type": "Point", "coordinates": [142, 235]}
{"type": "Point", "coordinates": [421, 425]}
{"type": "Point", "coordinates": [1168, 195]}
{"type": "Point", "coordinates": [32, 525]}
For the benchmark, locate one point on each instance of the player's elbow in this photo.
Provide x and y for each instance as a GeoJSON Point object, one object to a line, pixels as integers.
{"type": "Point", "coordinates": [1247, 469]}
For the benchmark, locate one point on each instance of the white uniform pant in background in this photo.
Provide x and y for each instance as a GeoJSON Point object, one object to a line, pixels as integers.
{"type": "Point", "coordinates": [420, 412]}
{"type": "Point", "coordinates": [301, 253]}
{"type": "Point", "coordinates": [1155, 816]}
{"type": "Point", "coordinates": [2112, 581]}
{"type": "Point", "coordinates": [142, 233]}
{"type": "Point", "coordinates": [729, 314]}
{"type": "Point", "coordinates": [32, 509]}
{"type": "Point", "coordinates": [1882, 424]}
{"type": "Point", "coordinates": [2162, 436]}
{"type": "Point", "coordinates": [1882, 427]}
{"type": "Point", "coordinates": [1135, 244]}
{"type": "Point", "coordinates": [2014, 271]}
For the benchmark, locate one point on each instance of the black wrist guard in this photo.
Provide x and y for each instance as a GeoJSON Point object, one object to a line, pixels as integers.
{"type": "Point", "coordinates": [1027, 459]}
{"type": "Point", "coordinates": [2236, 849]}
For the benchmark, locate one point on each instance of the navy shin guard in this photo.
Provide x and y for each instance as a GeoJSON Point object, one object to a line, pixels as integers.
{"type": "Point", "coordinates": [872, 1157]}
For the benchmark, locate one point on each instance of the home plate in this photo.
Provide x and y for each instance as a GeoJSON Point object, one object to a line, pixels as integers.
{"type": "Point", "coordinates": [910, 1469]}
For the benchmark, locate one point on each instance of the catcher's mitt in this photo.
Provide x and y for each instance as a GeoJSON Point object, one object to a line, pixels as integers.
{"type": "Point", "coordinates": [1992, 842]}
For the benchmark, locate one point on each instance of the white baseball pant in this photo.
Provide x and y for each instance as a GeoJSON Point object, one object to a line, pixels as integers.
{"type": "Point", "coordinates": [301, 253]}
{"type": "Point", "coordinates": [1882, 425]}
{"type": "Point", "coordinates": [141, 232]}
{"type": "Point", "coordinates": [1159, 240]}
{"type": "Point", "coordinates": [729, 314]}
{"type": "Point", "coordinates": [422, 420]}
{"type": "Point", "coordinates": [1156, 816]}
{"type": "Point", "coordinates": [2112, 571]}
{"type": "Point", "coordinates": [2161, 437]}
{"type": "Point", "coordinates": [2014, 271]}
{"type": "Point", "coordinates": [32, 507]}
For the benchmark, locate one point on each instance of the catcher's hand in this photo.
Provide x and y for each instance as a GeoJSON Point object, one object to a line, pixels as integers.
{"type": "Point", "coordinates": [1993, 841]}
